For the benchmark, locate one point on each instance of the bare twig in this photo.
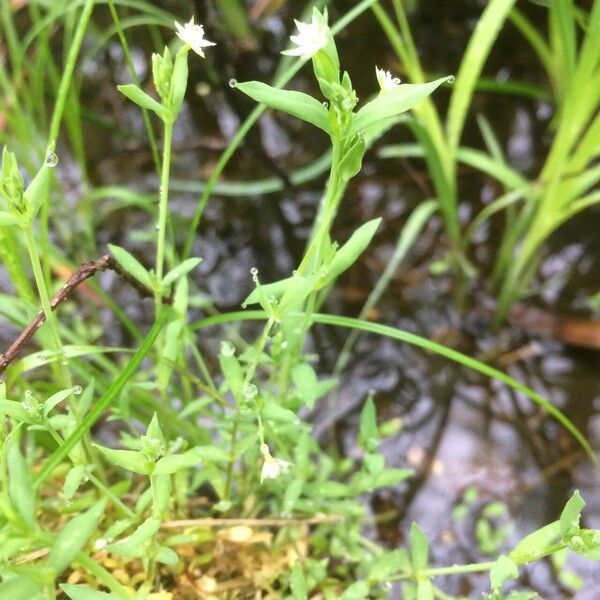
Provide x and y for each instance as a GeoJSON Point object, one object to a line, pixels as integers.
{"type": "Point", "coordinates": [85, 271]}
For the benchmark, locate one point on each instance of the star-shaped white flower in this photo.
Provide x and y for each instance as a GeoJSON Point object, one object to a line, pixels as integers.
{"type": "Point", "coordinates": [193, 35]}
{"type": "Point", "coordinates": [310, 39]}
{"type": "Point", "coordinates": [386, 80]}
{"type": "Point", "coordinates": [272, 467]}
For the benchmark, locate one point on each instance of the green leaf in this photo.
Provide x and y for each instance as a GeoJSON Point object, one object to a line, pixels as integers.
{"type": "Point", "coordinates": [135, 544]}
{"type": "Point", "coordinates": [351, 162]}
{"type": "Point", "coordinates": [297, 104]}
{"type": "Point", "coordinates": [37, 189]}
{"type": "Point", "coordinates": [21, 587]}
{"type": "Point", "coordinates": [387, 565]}
{"type": "Point", "coordinates": [167, 556]}
{"type": "Point", "coordinates": [127, 459]}
{"type": "Point", "coordinates": [298, 583]}
{"type": "Point", "coordinates": [7, 218]}
{"type": "Point", "coordinates": [183, 269]}
{"type": "Point", "coordinates": [179, 82]}
{"type": "Point", "coordinates": [326, 489]}
{"type": "Point", "coordinates": [161, 494]}
{"type": "Point", "coordinates": [73, 480]}
{"type": "Point", "coordinates": [176, 462]}
{"type": "Point", "coordinates": [275, 289]}
{"type": "Point", "coordinates": [419, 547]}
{"type": "Point", "coordinates": [274, 412]}
{"type": "Point", "coordinates": [15, 411]}
{"type": "Point", "coordinates": [391, 103]}
{"type": "Point", "coordinates": [425, 590]}
{"type": "Point", "coordinates": [73, 537]}
{"type": "Point", "coordinates": [20, 489]}
{"type": "Point", "coordinates": [368, 434]}
{"type": "Point", "coordinates": [142, 99]}
{"type": "Point", "coordinates": [569, 518]}
{"type": "Point", "coordinates": [306, 382]}
{"type": "Point", "coordinates": [84, 592]}
{"type": "Point", "coordinates": [503, 570]}
{"type": "Point", "coordinates": [352, 249]}
{"type": "Point", "coordinates": [359, 590]}
{"type": "Point", "coordinates": [154, 431]}
{"type": "Point", "coordinates": [56, 399]}
{"type": "Point", "coordinates": [535, 544]}
{"type": "Point", "coordinates": [132, 265]}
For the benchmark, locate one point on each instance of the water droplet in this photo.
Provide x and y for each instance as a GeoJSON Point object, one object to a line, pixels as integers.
{"type": "Point", "coordinates": [253, 271]}
{"type": "Point", "coordinates": [250, 391]}
{"type": "Point", "coordinates": [51, 159]}
{"type": "Point", "coordinates": [26, 405]}
{"type": "Point", "coordinates": [227, 348]}
{"type": "Point", "coordinates": [77, 389]}
{"type": "Point", "coordinates": [295, 272]}
{"type": "Point", "coordinates": [157, 227]}
{"type": "Point", "coordinates": [68, 503]}
{"type": "Point", "coordinates": [28, 394]}
{"type": "Point", "coordinates": [244, 305]}
{"type": "Point", "coordinates": [233, 83]}
{"type": "Point", "coordinates": [325, 104]}
{"type": "Point", "coordinates": [396, 81]}
{"type": "Point", "coordinates": [451, 79]}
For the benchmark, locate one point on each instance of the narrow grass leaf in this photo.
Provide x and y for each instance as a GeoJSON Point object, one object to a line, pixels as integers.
{"type": "Point", "coordinates": [113, 391]}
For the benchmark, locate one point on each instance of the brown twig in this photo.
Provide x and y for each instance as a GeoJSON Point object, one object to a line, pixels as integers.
{"type": "Point", "coordinates": [85, 271]}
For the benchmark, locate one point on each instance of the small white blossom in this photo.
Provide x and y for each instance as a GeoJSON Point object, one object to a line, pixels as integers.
{"type": "Point", "coordinates": [386, 80]}
{"type": "Point", "coordinates": [193, 35]}
{"type": "Point", "coordinates": [272, 467]}
{"type": "Point", "coordinates": [310, 39]}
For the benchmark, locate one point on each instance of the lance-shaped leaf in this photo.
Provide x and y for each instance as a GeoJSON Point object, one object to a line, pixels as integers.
{"type": "Point", "coordinates": [392, 102]}
{"type": "Point", "coordinates": [74, 536]}
{"type": "Point", "coordinates": [127, 459]}
{"type": "Point", "coordinates": [132, 265]}
{"type": "Point", "coordinates": [297, 104]}
{"type": "Point", "coordinates": [142, 99]}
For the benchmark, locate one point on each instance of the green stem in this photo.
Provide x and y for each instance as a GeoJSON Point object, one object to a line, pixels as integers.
{"type": "Point", "coordinates": [46, 307]}
{"type": "Point", "coordinates": [163, 211]}
{"type": "Point", "coordinates": [247, 379]}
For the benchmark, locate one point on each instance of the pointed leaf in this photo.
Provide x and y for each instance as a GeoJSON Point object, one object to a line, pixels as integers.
{"type": "Point", "coordinates": [419, 547]}
{"type": "Point", "coordinates": [569, 518]}
{"type": "Point", "coordinates": [74, 536]}
{"type": "Point", "coordinates": [297, 104]}
{"type": "Point", "coordinates": [392, 102]}
{"type": "Point", "coordinates": [142, 99]}
{"type": "Point", "coordinates": [352, 249]}
{"type": "Point", "coordinates": [132, 265]}
{"type": "Point", "coordinates": [127, 459]}
{"type": "Point", "coordinates": [83, 592]}
{"type": "Point", "coordinates": [20, 489]}
{"type": "Point", "coordinates": [183, 269]}
{"type": "Point", "coordinates": [176, 462]}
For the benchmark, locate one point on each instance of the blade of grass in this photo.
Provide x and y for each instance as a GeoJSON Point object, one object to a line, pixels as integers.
{"type": "Point", "coordinates": [113, 391]}
{"type": "Point", "coordinates": [421, 342]}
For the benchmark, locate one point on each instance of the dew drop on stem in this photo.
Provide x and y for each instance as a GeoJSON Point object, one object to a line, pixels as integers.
{"type": "Point", "coordinates": [77, 389]}
{"type": "Point", "coordinates": [233, 83]}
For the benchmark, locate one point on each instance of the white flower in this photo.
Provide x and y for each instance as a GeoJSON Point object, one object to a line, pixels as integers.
{"type": "Point", "coordinates": [310, 39]}
{"type": "Point", "coordinates": [193, 35]}
{"type": "Point", "coordinates": [272, 467]}
{"type": "Point", "coordinates": [385, 79]}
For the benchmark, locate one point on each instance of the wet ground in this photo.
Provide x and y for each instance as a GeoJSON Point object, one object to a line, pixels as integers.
{"type": "Point", "coordinates": [459, 432]}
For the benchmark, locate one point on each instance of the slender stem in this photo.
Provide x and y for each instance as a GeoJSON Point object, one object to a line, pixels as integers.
{"type": "Point", "coordinates": [247, 379]}
{"type": "Point", "coordinates": [163, 211]}
{"type": "Point", "coordinates": [46, 307]}
{"type": "Point", "coordinates": [101, 574]}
